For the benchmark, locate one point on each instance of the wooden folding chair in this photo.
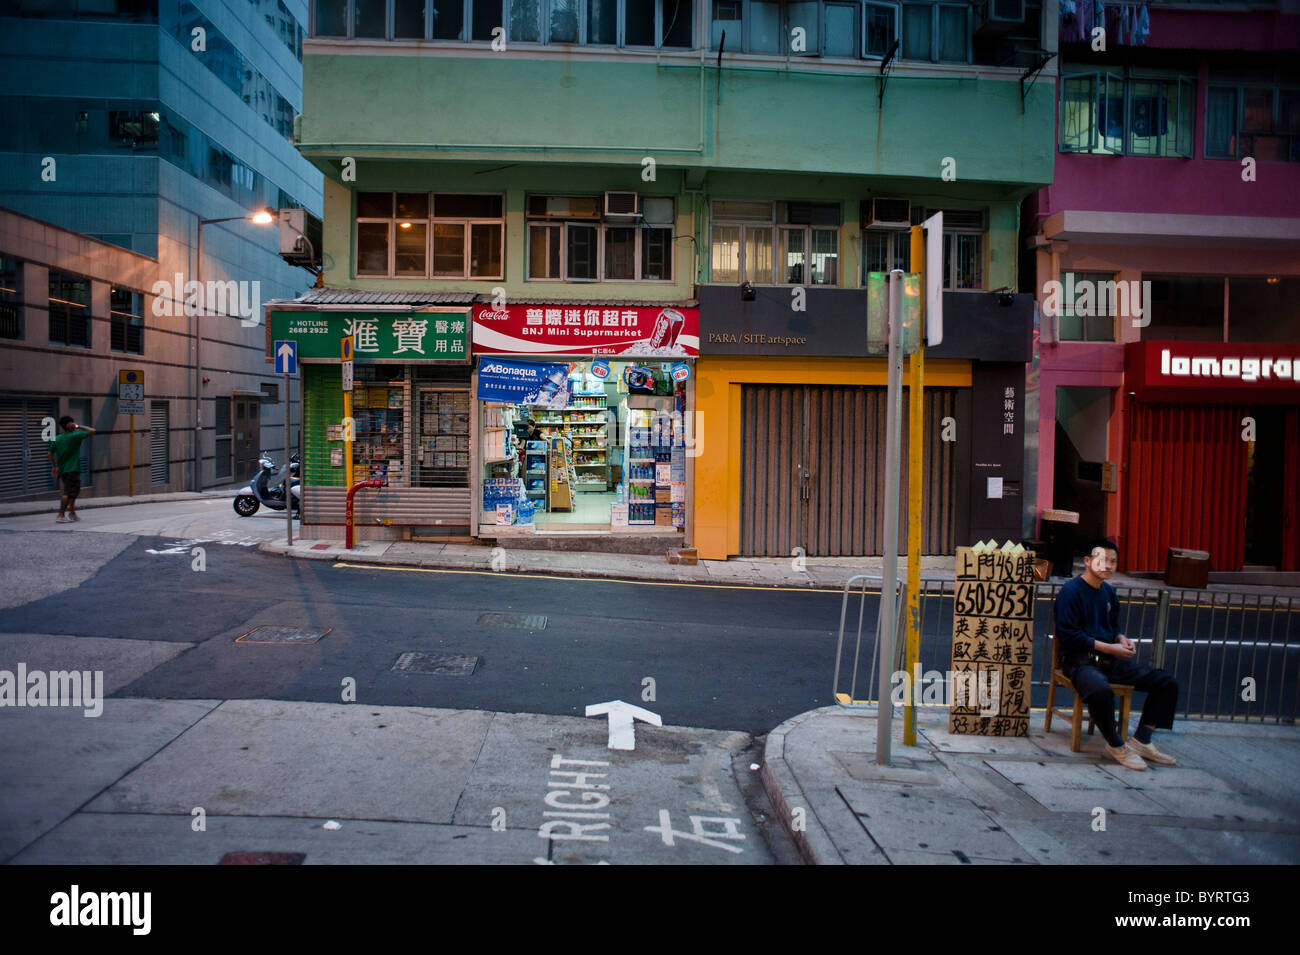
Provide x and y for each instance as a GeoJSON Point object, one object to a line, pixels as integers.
{"type": "Point", "coordinates": [1123, 691]}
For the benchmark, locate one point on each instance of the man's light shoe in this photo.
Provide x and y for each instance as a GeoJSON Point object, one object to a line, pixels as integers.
{"type": "Point", "coordinates": [1152, 755]}
{"type": "Point", "coordinates": [1126, 757]}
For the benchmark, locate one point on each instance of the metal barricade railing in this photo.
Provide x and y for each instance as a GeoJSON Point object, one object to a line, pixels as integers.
{"type": "Point", "coordinates": [1236, 656]}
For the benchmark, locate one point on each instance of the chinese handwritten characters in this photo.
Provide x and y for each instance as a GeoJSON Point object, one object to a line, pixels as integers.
{"type": "Point", "coordinates": [992, 642]}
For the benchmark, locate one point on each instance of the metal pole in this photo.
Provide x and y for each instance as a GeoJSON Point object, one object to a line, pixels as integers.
{"type": "Point", "coordinates": [887, 623]}
{"type": "Point", "coordinates": [130, 452]}
{"type": "Point", "coordinates": [916, 437]}
{"type": "Point", "coordinates": [288, 469]}
{"type": "Point", "coordinates": [198, 359]}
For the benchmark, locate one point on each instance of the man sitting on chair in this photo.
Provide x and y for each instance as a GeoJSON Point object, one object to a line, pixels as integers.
{"type": "Point", "coordinates": [1093, 654]}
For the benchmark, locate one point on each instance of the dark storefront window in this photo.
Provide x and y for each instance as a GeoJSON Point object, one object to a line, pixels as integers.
{"type": "Point", "coordinates": [1186, 308]}
{"type": "Point", "coordinates": [1265, 309]}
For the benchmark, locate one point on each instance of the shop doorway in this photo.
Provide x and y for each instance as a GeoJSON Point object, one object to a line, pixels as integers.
{"type": "Point", "coordinates": [247, 435]}
{"type": "Point", "coordinates": [1265, 488]}
{"type": "Point", "coordinates": [812, 471]}
{"type": "Point", "coordinates": [1082, 420]}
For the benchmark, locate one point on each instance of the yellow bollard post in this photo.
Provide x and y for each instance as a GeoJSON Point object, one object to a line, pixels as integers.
{"type": "Point", "coordinates": [915, 439]}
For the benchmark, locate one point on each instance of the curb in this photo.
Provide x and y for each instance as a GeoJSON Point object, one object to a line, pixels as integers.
{"type": "Point", "coordinates": [595, 574]}
{"type": "Point", "coordinates": [28, 508]}
{"type": "Point", "coordinates": [814, 845]}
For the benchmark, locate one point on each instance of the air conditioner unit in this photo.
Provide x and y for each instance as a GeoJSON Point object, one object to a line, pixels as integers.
{"type": "Point", "coordinates": [294, 225]}
{"type": "Point", "coordinates": [887, 212]}
{"type": "Point", "coordinates": [622, 205]}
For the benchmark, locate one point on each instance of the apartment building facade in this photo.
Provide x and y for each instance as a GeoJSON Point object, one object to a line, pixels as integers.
{"type": "Point", "coordinates": [561, 174]}
{"type": "Point", "coordinates": [1170, 410]}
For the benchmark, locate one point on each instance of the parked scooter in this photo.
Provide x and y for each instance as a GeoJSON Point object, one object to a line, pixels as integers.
{"type": "Point", "coordinates": [267, 488]}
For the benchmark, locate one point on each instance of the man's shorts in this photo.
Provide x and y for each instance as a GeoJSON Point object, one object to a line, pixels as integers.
{"type": "Point", "coordinates": [71, 484]}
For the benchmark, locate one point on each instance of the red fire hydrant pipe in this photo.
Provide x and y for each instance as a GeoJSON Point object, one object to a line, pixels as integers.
{"type": "Point", "coordinates": [348, 512]}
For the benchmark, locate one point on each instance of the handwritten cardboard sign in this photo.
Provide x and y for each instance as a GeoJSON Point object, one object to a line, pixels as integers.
{"type": "Point", "coordinates": [992, 643]}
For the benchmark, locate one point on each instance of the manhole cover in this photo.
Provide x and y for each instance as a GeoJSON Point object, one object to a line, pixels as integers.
{"type": "Point", "coordinates": [520, 621]}
{"type": "Point", "coordinates": [283, 635]}
{"type": "Point", "coordinates": [440, 664]}
{"type": "Point", "coordinates": [263, 858]}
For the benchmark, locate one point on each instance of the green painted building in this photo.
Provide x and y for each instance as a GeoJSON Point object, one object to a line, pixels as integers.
{"type": "Point", "coordinates": [611, 152]}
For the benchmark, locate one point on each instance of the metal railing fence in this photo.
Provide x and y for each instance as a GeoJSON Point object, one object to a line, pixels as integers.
{"type": "Point", "coordinates": [1236, 656]}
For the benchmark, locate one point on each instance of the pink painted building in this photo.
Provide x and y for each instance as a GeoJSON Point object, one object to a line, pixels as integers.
{"type": "Point", "coordinates": [1177, 175]}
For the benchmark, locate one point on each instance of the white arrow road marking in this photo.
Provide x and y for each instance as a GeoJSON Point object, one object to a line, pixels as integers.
{"type": "Point", "coordinates": [621, 715]}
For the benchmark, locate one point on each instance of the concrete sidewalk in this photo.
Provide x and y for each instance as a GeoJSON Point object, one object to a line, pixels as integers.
{"type": "Point", "coordinates": [51, 505]}
{"type": "Point", "coordinates": [957, 800]}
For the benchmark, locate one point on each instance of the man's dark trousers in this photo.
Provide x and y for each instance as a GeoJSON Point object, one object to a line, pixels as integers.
{"type": "Point", "coordinates": [1093, 686]}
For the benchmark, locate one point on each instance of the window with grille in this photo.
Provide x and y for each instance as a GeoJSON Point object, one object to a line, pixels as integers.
{"type": "Point", "coordinates": [69, 309]}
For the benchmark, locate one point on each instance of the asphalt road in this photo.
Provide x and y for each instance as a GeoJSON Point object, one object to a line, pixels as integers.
{"type": "Point", "coordinates": [720, 658]}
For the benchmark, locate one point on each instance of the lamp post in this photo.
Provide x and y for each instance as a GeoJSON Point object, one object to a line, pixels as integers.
{"type": "Point", "coordinates": [261, 217]}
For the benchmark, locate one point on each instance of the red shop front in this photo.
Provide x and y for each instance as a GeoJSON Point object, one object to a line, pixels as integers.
{"type": "Point", "coordinates": [1213, 454]}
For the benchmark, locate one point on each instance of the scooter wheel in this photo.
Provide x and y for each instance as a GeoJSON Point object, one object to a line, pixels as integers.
{"type": "Point", "coordinates": [246, 505]}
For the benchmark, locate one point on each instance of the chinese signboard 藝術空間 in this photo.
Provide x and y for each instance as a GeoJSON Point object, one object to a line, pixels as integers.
{"type": "Point", "coordinates": [432, 336]}
{"type": "Point", "coordinates": [992, 642]}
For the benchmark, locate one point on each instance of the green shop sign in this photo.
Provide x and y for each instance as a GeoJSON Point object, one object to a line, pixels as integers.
{"type": "Point", "coordinates": [376, 336]}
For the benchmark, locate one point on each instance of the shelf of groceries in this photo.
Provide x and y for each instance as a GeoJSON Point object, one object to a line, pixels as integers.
{"type": "Point", "coordinates": [565, 463]}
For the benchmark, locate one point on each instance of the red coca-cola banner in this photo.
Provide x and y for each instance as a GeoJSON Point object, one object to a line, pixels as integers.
{"type": "Point", "coordinates": [635, 332]}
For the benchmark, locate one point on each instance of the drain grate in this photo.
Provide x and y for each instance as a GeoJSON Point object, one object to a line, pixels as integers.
{"type": "Point", "coordinates": [519, 621]}
{"type": "Point", "coordinates": [263, 858]}
{"type": "Point", "coordinates": [283, 635]}
{"type": "Point", "coordinates": [437, 664]}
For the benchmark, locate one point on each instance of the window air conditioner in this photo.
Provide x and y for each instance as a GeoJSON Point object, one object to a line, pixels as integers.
{"type": "Point", "coordinates": [294, 224]}
{"type": "Point", "coordinates": [622, 205]}
{"type": "Point", "coordinates": [888, 212]}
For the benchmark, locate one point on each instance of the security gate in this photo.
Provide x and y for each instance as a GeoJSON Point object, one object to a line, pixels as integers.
{"type": "Point", "coordinates": [24, 457]}
{"type": "Point", "coordinates": [159, 446]}
{"type": "Point", "coordinates": [812, 471]}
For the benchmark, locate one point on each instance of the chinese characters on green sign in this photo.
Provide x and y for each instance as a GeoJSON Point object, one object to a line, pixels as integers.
{"type": "Point", "coordinates": [403, 336]}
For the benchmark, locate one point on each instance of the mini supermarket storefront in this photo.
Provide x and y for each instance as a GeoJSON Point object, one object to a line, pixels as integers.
{"type": "Point", "coordinates": [1213, 456]}
{"type": "Point", "coordinates": [410, 411]}
{"type": "Point", "coordinates": [582, 418]}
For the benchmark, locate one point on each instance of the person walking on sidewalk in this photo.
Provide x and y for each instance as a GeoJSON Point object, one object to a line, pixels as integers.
{"type": "Point", "coordinates": [1093, 654]}
{"type": "Point", "coordinates": [65, 457]}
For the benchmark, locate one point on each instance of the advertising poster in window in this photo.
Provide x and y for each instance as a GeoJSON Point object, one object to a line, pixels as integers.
{"type": "Point", "coordinates": [562, 330]}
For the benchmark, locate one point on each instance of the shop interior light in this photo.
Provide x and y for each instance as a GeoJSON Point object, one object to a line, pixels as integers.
{"type": "Point", "coordinates": [1274, 279]}
{"type": "Point", "coordinates": [403, 225]}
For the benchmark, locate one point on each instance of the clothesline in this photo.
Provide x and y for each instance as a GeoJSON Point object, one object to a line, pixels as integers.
{"type": "Point", "coordinates": [1124, 23]}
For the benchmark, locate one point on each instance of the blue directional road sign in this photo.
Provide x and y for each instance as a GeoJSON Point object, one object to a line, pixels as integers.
{"type": "Point", "coordinates": [286, 357]}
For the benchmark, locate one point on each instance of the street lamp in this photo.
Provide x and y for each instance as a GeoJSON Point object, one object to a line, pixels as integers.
{"type": "Point", "coordinates": [261, 217]}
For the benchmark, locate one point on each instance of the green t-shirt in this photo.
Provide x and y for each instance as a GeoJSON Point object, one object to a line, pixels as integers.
{"type": "Point", "coordinates": [67, 450]}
